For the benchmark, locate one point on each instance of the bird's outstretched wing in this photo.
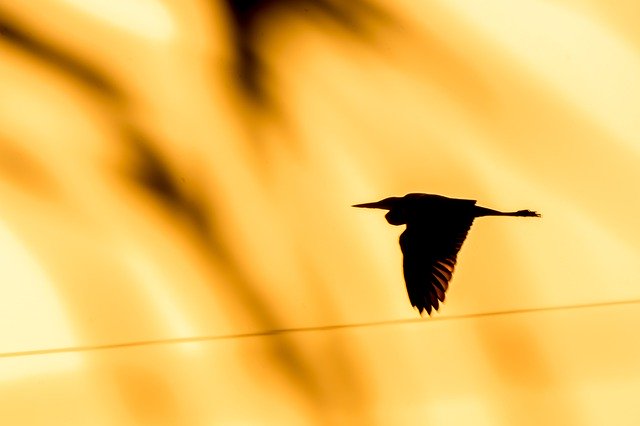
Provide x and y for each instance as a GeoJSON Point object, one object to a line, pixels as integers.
{"type": "Point", "coordinates": [430, 250]}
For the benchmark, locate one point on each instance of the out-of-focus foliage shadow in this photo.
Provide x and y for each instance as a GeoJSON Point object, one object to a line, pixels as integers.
{"type": "Point", "coordinates": [369, 24]}
{"type": "Point", "coordinates": [248, 18]}
{"type": "Point", "coordinates": [57, 58]}
{"type": "Point", "coordinates": [355, 17]}
{"type": "Point", "coordinates": [153, 174]}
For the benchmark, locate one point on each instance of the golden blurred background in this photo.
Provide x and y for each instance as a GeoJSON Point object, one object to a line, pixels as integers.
{"type": "Point", "coordinates": [177, 241]}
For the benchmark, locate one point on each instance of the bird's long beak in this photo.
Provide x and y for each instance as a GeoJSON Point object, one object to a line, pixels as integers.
{"type": "Point", "coordinates": [367, 205]}
{"type": "Point", "coordinates": [382, 204]}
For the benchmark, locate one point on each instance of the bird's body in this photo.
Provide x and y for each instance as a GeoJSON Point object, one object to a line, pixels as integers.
{"type": "Point", "coordinates": [436, 228]}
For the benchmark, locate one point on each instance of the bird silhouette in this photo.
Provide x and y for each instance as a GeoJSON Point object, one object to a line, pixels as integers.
{"type": "Point", "coordinates": [436, 228]}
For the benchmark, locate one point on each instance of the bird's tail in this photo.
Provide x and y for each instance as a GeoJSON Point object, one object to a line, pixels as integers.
{"type": "Point", "coordinates": [483, 211]}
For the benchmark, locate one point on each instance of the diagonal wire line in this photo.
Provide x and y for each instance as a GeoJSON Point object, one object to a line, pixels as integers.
{"type": "Point", "coordinates": [279, 331]}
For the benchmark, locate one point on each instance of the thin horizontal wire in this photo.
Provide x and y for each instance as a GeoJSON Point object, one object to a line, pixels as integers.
{"type": "Point", "coordinates": [310, 329]}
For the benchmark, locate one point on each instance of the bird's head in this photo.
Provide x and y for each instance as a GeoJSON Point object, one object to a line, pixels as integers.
{"type": "Point", "coordinates": [395, 215]}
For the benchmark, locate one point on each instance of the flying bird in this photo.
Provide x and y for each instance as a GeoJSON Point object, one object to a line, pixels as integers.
{"type": "Point", "coordinates": [436, 228]}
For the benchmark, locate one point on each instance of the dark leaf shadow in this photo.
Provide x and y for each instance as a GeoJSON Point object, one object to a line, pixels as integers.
{"type": "Point", "coordinates": [57, 58]}
{"type": "Point", "coordinates": [152, 173]}
{"type": "Point", "coordinates": [254, 78]}
{"type": "Point", "coordinates": [247, 16]}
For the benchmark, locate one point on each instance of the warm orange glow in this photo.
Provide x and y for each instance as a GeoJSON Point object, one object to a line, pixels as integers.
{"type": "Point", "coordinates": [177, 239]}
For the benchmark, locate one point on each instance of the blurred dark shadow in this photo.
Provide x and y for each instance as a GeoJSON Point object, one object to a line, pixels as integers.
{"type": "Point", "coordinates": [152, 173]}
{"type": "Point", "coordinates": [249, 19]}
{"type": "Point", "coordinates": [423, 56]}
{"type": "Point", "coordinates": [57, 58]}
{"type": "Point", "coordinates": [355, 17]}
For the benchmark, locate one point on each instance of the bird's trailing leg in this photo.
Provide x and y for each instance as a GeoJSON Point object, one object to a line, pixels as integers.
{"type": "Point", "coordinates": [483, 211]}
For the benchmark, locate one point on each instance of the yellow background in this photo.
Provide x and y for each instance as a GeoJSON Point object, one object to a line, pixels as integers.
{"type": "Point", "coordinates": [226, 303]}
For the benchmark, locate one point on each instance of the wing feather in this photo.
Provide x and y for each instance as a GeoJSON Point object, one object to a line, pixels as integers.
{"type": "Point", "coordinates": [430, 251]}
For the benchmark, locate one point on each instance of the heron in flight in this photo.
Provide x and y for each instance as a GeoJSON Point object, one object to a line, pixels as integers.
{"type": "Point", "coordinates": [436, 228]}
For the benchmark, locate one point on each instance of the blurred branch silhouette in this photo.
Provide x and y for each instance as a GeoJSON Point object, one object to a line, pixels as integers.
{"type": "Point", "coordinates": [152, 173]}
{"type": "Point", "coordinates": [355, 17]}
{"type": "Point", "coordinates": [56, 57]}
